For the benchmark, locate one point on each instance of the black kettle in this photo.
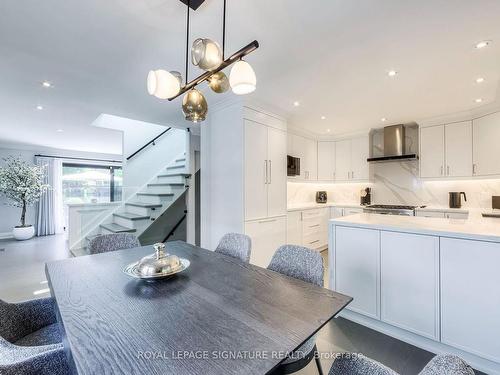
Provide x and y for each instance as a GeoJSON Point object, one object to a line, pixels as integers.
{"type": "Point", "coordinates": [456, 199]}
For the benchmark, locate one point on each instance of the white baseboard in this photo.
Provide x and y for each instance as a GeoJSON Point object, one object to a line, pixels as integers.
{"type": "Point", "coordinates": [6, 235]}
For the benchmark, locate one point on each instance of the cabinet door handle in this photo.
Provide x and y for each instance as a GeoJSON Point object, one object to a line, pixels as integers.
{"type": "Point", "coordinates": [447, 170]}
{"type": "Point", "coordinates": [270, 172]}
{"type": "Point", "coordinates": [314, 226]}
{"type": "Point", "coordinates": [352, 175]}
{"type": "Point", "coordinates": [265, 172]}
{"type": "Point", "coordinates": [473, 168]}
{"type": "Point", "coordinates": [313, 242]}
{"type": "Point", "coordinates": [441, 170]}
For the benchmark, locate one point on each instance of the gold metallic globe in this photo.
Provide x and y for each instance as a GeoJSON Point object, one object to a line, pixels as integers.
{"type": "Point", "coordinates": [194, 106]}
{"type": "Point", "coordinates": [218, 82]}
{"type": "Point", "coordinates": [206, 54]}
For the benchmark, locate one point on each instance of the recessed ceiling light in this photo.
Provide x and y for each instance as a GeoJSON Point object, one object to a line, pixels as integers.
{"type": "Point", "coordinates": [479, 100]}
{"type": "Point", "coordinates": [46, 84]}
{"type": "Point", "coordinates": [480, 80]}
{"type": "Point", "coordinates": [39, 107]}
{"type": "Point", "coordinates": [483, 44]}
{"type": "Point", "coordinates": [59, 130]}
{"type": "Point", "coordinates": [392, 73]}
{"type": "Point", "coordinates": [296, 104]}
{"type": "Point", "coordinates": [383, 119]}
{"type": "Point", "coordinates": [328, 130]}
{"type": "Point", "coordinates": [323, 117]}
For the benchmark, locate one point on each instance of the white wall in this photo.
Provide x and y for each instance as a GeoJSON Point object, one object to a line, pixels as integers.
{"type": "Point", "coordinates": [10, 216]}
{"type": "Point", "coordinates": [222, 178]}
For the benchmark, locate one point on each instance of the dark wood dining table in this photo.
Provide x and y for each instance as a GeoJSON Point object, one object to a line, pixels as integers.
{"type": "Point", "coordinates": [219, 316]}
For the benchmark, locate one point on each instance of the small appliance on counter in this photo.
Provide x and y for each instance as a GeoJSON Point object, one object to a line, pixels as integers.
{"type": "Point", "coordinates": [456, 199]}
{"type": "Point", "coordinates": [321, 197]}
{"type": "Point", "coordinates": [495, 207]}
{"type": "Point", "coordinates": [292, 166]}
{"type": "Point", "coordinates": [365, 196]}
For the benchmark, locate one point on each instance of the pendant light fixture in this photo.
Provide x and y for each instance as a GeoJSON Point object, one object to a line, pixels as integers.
{"type": "Point", "coordinates": [207, 55]}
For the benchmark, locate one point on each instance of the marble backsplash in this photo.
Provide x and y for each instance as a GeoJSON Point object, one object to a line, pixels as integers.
{"type": "Point", "coordinates": [398, 183]}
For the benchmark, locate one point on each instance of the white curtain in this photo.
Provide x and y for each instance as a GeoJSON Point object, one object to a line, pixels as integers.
{"type": "Point", "coordinates": [50, 211]}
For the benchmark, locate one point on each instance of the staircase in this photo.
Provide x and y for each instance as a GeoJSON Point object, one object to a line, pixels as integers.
{"type": "Point", "coordinates": [162, 197]}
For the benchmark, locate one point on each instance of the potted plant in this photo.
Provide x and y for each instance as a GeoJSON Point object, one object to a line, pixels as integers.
{"type": "Point", "coordinates": [22, 183]}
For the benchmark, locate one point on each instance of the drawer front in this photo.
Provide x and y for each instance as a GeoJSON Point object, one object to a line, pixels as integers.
{"type": "Point", "coordinates": [313, 241]}
{"type": "Point", "coordinates": [311, 227]}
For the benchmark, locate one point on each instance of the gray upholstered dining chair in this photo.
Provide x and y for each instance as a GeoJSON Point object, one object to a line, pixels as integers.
{"type": "Point", "coordinates": [445, 364]}
{"type": "Point", "coordinates": [307, 265]}
{"type": "Point", "coordinates": [112, 242]}
{"type": "Point", "coordinates": [30, 339]}
{"type": "Point", "coordinates": [235, 245]}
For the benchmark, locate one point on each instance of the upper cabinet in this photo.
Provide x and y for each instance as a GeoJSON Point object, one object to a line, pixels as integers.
{"type": "Point", "coordinates": [326, 161]}
{"type": "Point", "coordinates": [486, 158]}
{"type": "Point", "coordinates": [343, 160]}
{"type": "Point", "coordinates": [446, 150]}
{"type": "Point", "coordinates": [350, 159]}
{"type": "Point", "coordinates": [458, 149]}
{"type": "Point", "coordinates": [432, 151]}
{"type": "Point", "coordinates": [307, 150]}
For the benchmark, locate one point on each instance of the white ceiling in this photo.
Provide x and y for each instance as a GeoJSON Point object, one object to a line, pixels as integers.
{"type": "Point", "coordinates": [330, 55]}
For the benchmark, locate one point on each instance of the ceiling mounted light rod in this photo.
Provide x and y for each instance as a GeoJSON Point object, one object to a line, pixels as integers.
{"type": "Point", "coordinates": [224, 32]}
{"type": "Point", "coordinates": [187, 40]}
{"type": "Point", "coordinates": [230, 60]}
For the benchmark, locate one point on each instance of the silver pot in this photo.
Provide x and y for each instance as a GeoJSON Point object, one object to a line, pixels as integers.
{"type": "Point", "coordinates": [158, 263]}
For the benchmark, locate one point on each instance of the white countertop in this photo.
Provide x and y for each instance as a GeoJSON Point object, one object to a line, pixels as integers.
{"type": "Point", "coordinates": [475, 228]}
{"type": "Point", "coordinates": [309, 206]}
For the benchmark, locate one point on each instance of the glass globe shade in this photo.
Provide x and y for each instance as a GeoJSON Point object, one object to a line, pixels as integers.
{"type": "Point", "coordinates": [194, 106]}
{"type": "Point", "coordinates": [242, 78]}
{"type": "Point", "coordinates": [218, 82]}
{"type": "Point", "coordinates": [206, 54]}
{"type": "Point", "coordinates": [163, 84]}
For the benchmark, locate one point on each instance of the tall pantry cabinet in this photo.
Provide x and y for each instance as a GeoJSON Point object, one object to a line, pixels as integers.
{"type": "Point", "coordinates": [244, 179]}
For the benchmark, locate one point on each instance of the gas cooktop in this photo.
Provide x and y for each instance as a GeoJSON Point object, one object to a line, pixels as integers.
{"type": "Point", "coordinates": [391, 207]}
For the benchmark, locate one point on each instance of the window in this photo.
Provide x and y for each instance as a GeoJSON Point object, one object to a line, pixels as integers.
{"type": "Point", "coordinates": [84, 183]}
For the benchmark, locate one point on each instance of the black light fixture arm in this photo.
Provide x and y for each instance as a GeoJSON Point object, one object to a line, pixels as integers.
{"type": "Point", "coordinates": [230, 60]}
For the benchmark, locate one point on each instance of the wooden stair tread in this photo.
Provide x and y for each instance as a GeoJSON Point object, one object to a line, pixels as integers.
{"type": "Point", "coordinates": [142, 204]}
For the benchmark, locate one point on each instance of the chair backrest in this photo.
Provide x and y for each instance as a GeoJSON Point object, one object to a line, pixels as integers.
{"type": "Point", "coordinates": [113, 242]}
{"type": "Point", "coordinates": [235, 245]}
{"type": "Point", "coordinates": [298, 262]}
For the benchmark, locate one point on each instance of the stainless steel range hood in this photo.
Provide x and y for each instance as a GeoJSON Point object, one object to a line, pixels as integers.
{"type": "Point", "coordinates": [394, 145]}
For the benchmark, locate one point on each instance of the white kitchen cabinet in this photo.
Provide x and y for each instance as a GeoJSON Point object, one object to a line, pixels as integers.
{"type": "Point", "coordinates": [486, 158]}
{"type": "Point", "coordinates": [409, 282]}
{"type": "Point", "coordinates": [470, 300]}
{"type": "Point", "coordinates": [256, 169]}
{"type": "Point", "coordinates": [430, 214]}
{"type": "Point", "coordinates": [352, 211]}
{"type": "Point", "coordinates": [350, 159]}
{"type": "Point", "coordinates": [314, 228]}
{"type": "Point", "coordinates": [357, 268]}
{"type": "Point", "coordinates": [267, 235]}
{"type": "Point", "coordinates": [343, 160]}
{"type": "Point", "coordinates": [276, 153]}
{"type": "Point", "coordinates": [326, 161]}
{"type": "Point", "coordinates": [311, 159]}
{"type": "Point", "coordinates": [456, 215]}
{"type": "Point", "coordinates": [294, 228]}
{"type": "Point", "coordinates": [307, 150]}
{"type": "Point", "coordinates": [265, 171]}
{"type": "Point", "coordinates": [458, 149]}
{"type": "Point", "coordinates": [432, 152]}
{"type": "Point", "coordinates": [336, 212]}
{"type": "Point", "coordinates": [359, 155]}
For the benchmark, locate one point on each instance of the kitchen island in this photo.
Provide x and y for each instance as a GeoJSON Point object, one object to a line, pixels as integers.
{"type": "Point", "coordinates": [432, 282]}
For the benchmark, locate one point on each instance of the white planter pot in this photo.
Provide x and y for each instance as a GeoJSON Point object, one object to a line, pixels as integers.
{"type": "Point", "coordinates": [23, 233]}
